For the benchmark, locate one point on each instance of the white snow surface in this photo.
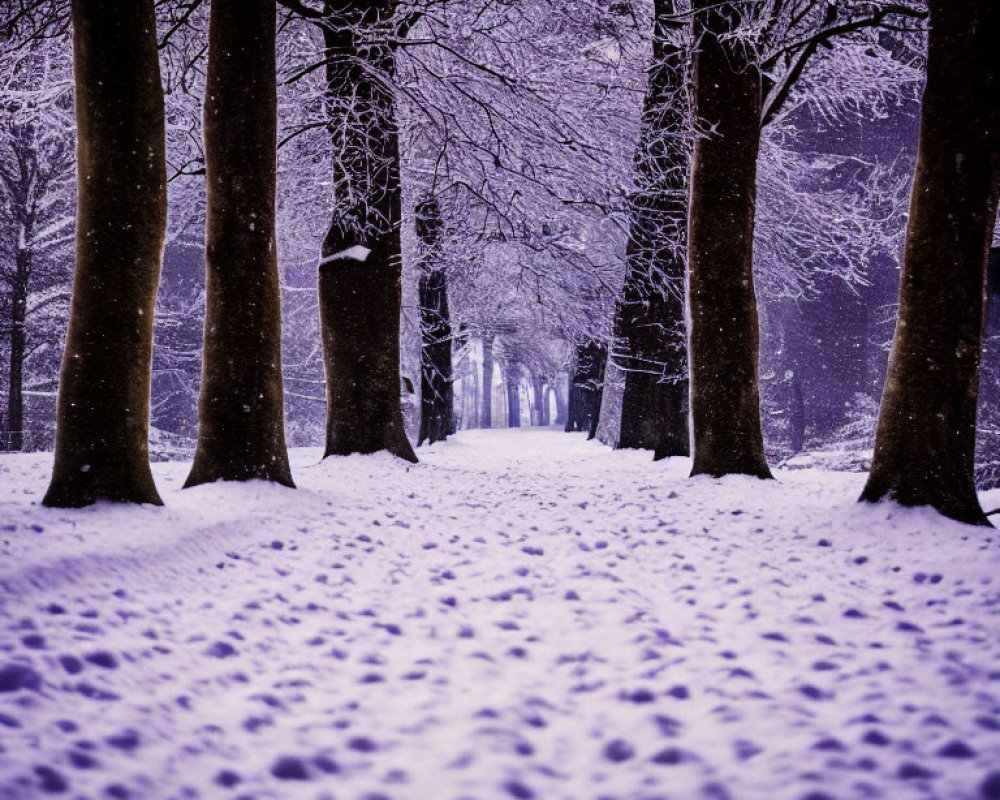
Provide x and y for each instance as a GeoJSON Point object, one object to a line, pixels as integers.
{"type": "Point", "coordinates": [524, 614]}
{"type": "Point", "coordinates": [357, 252]}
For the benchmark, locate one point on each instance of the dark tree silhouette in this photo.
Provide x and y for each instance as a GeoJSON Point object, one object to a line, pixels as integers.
{"type": "Point", "coordinates": [925, 440]}
{"type": "Point", "coordinates": [725, 403]}
{"type": "Point", "coordinates": [650, 336]}
{"type": "Point", "coordinates": [486, 410]}
{"type": "Point", "coordinates": [359, 275]}
{"type": "Point", "coordinates": [435, 329]}
{"type": "Point", "coordinates": [103, 417]}
{"type": "Point", "coordinates": [585, 388]}
{"type": "Point", "coordinates": [241, 433]}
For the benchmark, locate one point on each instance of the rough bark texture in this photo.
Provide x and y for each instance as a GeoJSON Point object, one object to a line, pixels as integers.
{"type": "Point", "coordinates": [359, 276]}
{"type": "Point", "coordinates": [103, 416]}
{"type": "Point", "coordinates": [241, 429]}
{"type": "Point", "coordinates": [651, 346]}
{"type": "Point", "coordinates": [486, 419]}
{"type": "Point", "coordinates": [725, 404]}
{"type": "Point", "coordinates": [925, 440]}
{"type": "Point", "coordinates": [435, 330]}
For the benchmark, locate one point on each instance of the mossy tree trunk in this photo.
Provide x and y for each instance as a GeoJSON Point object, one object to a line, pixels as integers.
{"type": "Point", "coordinates": [241, 431]}
{"type": "Point", "coordinates": [436, 392]}
{"type": "Point", "coordinates": [725, 402]}
{"type": "Point", "coordinates": [925, 440]}
{"type": "Point", "coordinates": [649, 319]}
{"type": "Point", "coordinates": [360, 269]}
{"type": "Point", "coordinates": [102, 449]}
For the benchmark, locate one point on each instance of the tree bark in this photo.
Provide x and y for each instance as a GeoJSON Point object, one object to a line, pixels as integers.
{"type": "Point", "coordinates": [435, 330]}
{"type": "Point", "coordinates": [487, 405]}
{"type": "Point", "coordinates": [103, 411]}
{"type": "Point", "coordinates": [360, 269]}
{"type": "Point", "coordinates": [725, 402]}
{"type": "Point", "coordinates": [649, 318]}
{"type": "Point", "coordinates": [241, 430]}
{"type": "Point", "coordinates": [925, 439]}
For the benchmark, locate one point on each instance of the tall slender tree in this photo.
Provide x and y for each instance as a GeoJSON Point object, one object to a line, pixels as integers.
{"type": "Point", "coordinates": [435, 328]}
{"type": "Point", "coordinates": [360, 268]}
{"type": "Point", "coordinates": [103, 416]}
{"type": "Point", "coordinates": [725, 402]}
{"type": "Point", "coordinates": [241, 433]}
{"type": "Point", "coordinates": [925, 440]}
{"type": "Point", "coordinates": [650, 339]}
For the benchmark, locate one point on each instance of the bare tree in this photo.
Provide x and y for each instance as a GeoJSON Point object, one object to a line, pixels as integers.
{"type": "Point", "coordinates": [925, 441]}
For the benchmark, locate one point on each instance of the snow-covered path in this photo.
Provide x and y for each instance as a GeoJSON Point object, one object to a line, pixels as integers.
{"type": "Point", "coordinates": [522, 615]}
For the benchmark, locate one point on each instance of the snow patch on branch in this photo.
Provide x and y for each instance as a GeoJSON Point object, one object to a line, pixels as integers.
{"type": "Point", "coordinates": [356, 253]}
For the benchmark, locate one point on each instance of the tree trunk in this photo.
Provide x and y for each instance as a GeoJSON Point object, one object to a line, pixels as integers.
{"type": "Point", "coordinates": [541, 396]}
{"type": "Point", "coordinates": [14, 440]}
{"type": "Point", "coordinates": [649, 318]}
{"type": "Point", "coordinates": [512, 382]}
{"type": "Point", "coordinates": [796, 414]}
{"type": "Point", "coordinates": [487, 405]}
{"type": "Point", "coordinates": [560, 405]}
{"type": "Point", "coordinates": [241, 430]}
{"type": "Point", "coordinates": [435, 330]}
{"type": "Point", "coordinates": [725, 403]}
{"type": "Point", "coordinates": [102, 449]}
{"type": "Point", "coordinates": [925, 440]}
{"type": "Point", "coordinates": [585, 389]}
{"type": "Point", "coordinates": [360, 269]}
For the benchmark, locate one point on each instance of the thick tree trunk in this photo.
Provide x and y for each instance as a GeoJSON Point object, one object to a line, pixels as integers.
{"type": "Point", "coordinates": [103, 417]}
{"type": "Point", "coordinates": [15, 397]}
{"type": "Point", "coordinates": [725, 403]}
{"type": "Point", "coordinates": [435, 330]}
{"type": "Point", "coordinates": [359, 275]}
{"type": "Point", "coordinates": [241, 430]}
{"type": "Point", "coordinates": [649, 319]}
{"type": "Point", "coordinates": [486, 420]}
{"type": "Point", "coordinates": [925, 441]}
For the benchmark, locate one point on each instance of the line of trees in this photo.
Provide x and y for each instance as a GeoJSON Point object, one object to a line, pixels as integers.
{"type": "Point", "coordinates": [521, 223]}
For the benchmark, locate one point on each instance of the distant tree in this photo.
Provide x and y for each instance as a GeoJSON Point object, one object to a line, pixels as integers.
{"type": "Point", "coordinates": [435, 328]}
{"type": "Point", "coordinates": [486, 407]}
{"type": "Point", "coordinates": [585, 387]}
{"type": "Point", "coordinates": [925, 440]}
{"type": "Point", "coordinates": [241, 433]}
{"type": "Point", "coordinates": [103, 416]}
{"type": "Point", "coordinates": [36, 232]}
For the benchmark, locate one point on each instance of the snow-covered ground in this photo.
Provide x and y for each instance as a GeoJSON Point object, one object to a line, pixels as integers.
{"type": "Point", "coordinates": [522, 615]}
